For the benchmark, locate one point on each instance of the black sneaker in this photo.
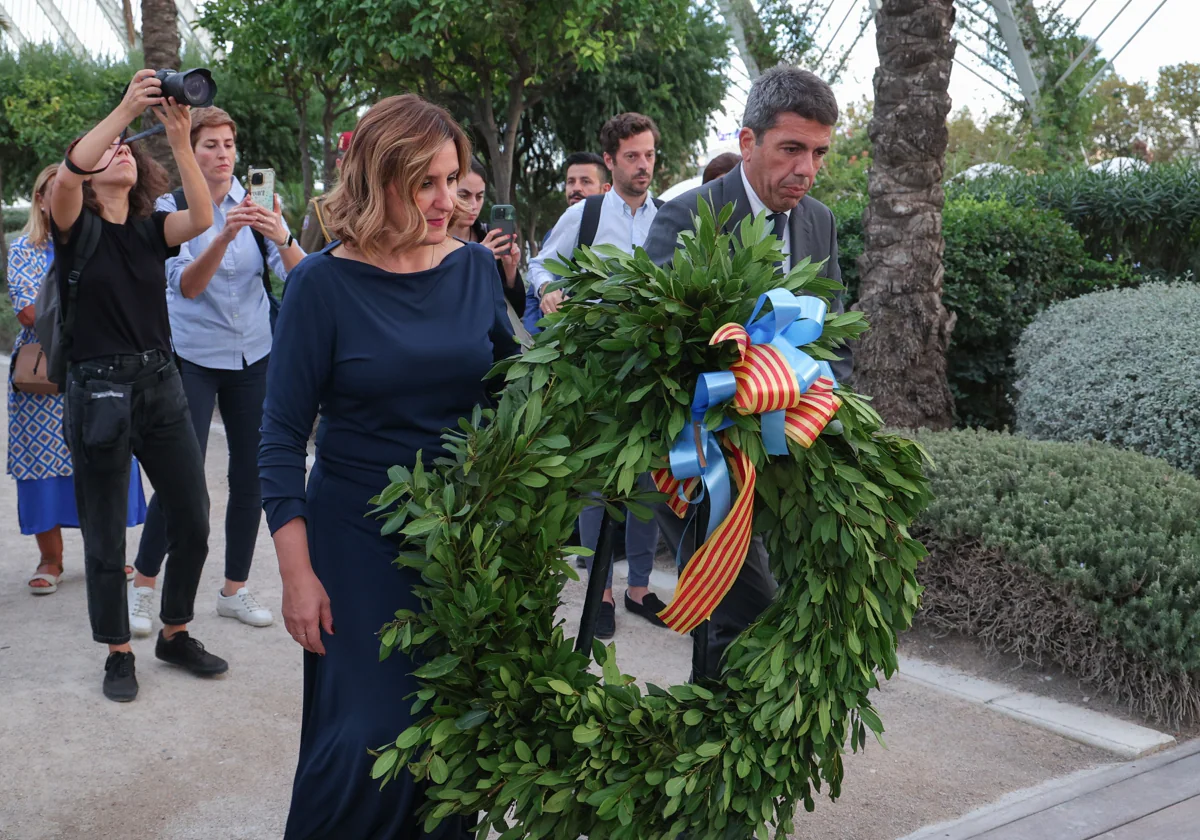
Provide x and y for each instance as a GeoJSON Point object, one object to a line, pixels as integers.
{"type": "Point", "coordinates": [649, 609]}
{"type": "Point", "coordinates": [606, 621]}
{"type": "Point", "coordinates": [184, 651]}
{"type": "Point", "coordinates": [120, 681]}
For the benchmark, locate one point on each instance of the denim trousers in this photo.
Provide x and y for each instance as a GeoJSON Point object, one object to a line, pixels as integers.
{"type": "Point", "coordinates": [240, 395]}
{"type": "Point", "coordinates": [641, 543]}
{"type": "Point", "coordinates": [134, 404]}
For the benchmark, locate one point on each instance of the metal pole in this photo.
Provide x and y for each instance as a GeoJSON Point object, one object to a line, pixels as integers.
{"type": "Point", "coordinates": [597, 583]}
{"type": "Point", "coordinates": [833, 37]}
{"type": "Point", "coordinates": [1088, 49]}
{"type": "Point", "coordinates": [1088, 87]}
{"type": "Point", "coordinates": [1011, 32]}
{"type": "Point", "coordinates": [985, 80]}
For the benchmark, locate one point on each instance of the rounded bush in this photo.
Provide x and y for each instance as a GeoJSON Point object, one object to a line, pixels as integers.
{"type": "Point", "coordinates": [1122, 367]}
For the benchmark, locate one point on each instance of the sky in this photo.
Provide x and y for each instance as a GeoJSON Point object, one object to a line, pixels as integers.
{"type": "Point", "coordinates": [1169, 38]}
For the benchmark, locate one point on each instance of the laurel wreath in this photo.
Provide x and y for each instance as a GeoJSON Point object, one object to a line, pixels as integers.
{"type": "Point", "coordinates": [512, 724]}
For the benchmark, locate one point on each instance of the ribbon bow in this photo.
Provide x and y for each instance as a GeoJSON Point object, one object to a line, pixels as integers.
{"type": "Point", "coordinates": [794, 395]}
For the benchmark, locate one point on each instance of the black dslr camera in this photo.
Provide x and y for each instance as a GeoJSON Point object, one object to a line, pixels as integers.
{"type": "Point", "coordinates": [188, 87]}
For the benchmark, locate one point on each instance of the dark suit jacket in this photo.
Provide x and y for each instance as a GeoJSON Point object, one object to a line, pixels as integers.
{"type": "Point", "coordinates": [811, 227]}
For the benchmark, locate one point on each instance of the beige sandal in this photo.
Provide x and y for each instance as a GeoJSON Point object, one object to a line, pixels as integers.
{"type": "Point", "coordinates": [50, 579]}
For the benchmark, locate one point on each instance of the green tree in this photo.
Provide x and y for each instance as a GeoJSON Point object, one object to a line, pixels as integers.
{"type": "Point", "coordinates": [490, 60]}
{"type": "Point", "coordinates": [1124, 111]}
{"type": "Point", "coordinates": [1177, 96]}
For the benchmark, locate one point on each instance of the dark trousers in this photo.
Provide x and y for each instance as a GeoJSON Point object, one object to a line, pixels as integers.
{"type": "Point", "coordinates": [752, 592]}
{"type": "Point", "coordinates": [115, 406]}
{"type": "Point", "coordinates": [240, 395]}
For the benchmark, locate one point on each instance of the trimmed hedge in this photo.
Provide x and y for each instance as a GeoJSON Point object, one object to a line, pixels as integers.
{"type": "Point", "coordinates": [1004, 265]}
{"type": "Point", "coordinates": [1149, 219]}
{"type": "Point", "coordinates": [14, 220]}
{"type": "Point", "coordinates": [1080, 553]}
{"type": "Point", "coordinates": [1120, 366]}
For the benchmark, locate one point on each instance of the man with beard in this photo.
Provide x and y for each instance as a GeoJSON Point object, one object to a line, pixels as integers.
{"type": "Point", "coordinates": [620, 217]}
{"type": "Point", "coordinates": [586, 175]}
{"type": "Point", "coordinates": [786, 133]}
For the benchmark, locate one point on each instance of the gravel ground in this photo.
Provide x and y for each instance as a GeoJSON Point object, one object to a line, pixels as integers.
{"type": "Point", "coordinates": [213, 760]}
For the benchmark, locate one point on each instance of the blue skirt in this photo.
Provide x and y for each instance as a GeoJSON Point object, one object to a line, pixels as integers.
{"type": "Point", "coordinates": [44, 504]}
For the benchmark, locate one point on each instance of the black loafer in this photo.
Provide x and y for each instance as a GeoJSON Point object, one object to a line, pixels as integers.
{"type": "Point", "coordinates": [184, 651]}
{"type": "Point", "coordinates": [606, 621]}
{"type": "Point", "coordinates": [649, 609]}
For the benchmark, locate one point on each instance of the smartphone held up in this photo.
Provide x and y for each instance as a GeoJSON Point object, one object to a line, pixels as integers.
{"type": "Point", "coordinates": [262, 188]}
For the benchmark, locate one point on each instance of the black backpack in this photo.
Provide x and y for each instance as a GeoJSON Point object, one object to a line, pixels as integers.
{"type": "Point", "coordinates": [592, 206]}
{"type": "Point", "coordinates": [260, 240]}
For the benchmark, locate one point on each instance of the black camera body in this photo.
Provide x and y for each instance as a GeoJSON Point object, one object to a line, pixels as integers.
{"type": "Point", "coordinates": [188, 87]}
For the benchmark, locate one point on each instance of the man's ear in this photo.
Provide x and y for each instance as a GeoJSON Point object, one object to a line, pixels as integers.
{"type": "Point", "coordinates": [746, 141]}
{"type": "Point", "coordinates": [605, 188]}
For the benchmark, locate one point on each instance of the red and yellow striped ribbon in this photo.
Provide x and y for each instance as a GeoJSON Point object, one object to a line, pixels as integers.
{"type": "Point", "coordinates": [766, 383]}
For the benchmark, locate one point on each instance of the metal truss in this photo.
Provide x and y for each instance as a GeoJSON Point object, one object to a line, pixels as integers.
{"type": "Point", "coordinates": [59, 22]}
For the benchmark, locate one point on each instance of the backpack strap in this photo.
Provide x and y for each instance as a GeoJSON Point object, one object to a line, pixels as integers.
{"type": "Point", "coordinates": [261, 242]}
{"type": "Point", "coordinates": [592, 206]}
{"type": "Point", "coordinates": [89, 240]}
{"type": "Point", "coordinates": [658, 202]}
{"type": "Point", "coordinates": [180, 199]}
{"type": "Point", "coordinates": [316, 205]}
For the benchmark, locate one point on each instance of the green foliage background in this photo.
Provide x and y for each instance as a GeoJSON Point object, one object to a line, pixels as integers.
{"type": "Point", "coordinates": [512, 716]}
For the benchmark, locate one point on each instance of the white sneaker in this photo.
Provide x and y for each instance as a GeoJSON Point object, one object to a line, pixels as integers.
{"type": "Point", "coordinates": [244, 608]}
{"type": "Point", "coordinates": [141, 610]}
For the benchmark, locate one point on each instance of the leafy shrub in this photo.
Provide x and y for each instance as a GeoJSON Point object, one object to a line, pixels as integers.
{"type": "Point", "coordinates": [1121, 367]}
{"type": "Point", "coordinates": [1086, 555]}
{"type": "Point", "coordinates": [1004, 265]}
{"type": "Point", "coordinates": [15, 219]}
{"type": "Point", "coordinates": [1149, 219]}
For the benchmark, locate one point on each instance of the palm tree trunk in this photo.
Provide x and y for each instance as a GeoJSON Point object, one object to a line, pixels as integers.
{"type": "Point", "coordinates": [901, 361]}
{"type": "Point", "coordinates": [160, 42]}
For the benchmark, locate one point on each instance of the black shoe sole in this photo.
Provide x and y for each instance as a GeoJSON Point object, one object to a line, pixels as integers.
{"type": "Point", "coordinates": [191, 669]}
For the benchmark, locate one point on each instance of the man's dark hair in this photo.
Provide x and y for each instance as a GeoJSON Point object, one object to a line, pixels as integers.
{"type": "Point", "coordinates": [787, 89]}
{"type": "Point", "coordinates": [587, 159]}
{"type": "Point", "coordinates": [722, 164]}
{"type": "Point", "coordinates": [622, 127]}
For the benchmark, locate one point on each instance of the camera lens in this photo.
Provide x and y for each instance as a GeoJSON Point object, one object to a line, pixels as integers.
{"type": "Point", "coordinates": [256, 180]}
{"type": "Point", "coordinates": [195, 88]}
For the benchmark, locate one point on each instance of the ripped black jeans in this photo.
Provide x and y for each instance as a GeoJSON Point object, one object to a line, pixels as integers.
{"type": "Point", "coordinates": [115, 406]}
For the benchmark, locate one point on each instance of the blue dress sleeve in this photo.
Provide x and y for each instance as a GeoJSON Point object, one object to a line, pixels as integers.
{"type": "Point", "coordinates": [301, 365]}
{"type": "Point", "coordinates": [25, 270]}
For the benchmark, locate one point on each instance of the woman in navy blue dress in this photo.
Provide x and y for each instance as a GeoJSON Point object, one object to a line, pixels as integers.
{"type": "Point", "coordinates": [388, 334]}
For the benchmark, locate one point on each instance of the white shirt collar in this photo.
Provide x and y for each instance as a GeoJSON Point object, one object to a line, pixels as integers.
{"type": "Point", "coordinates": [625, 208]}
{"type": "Point", "coordinates": [756, 203]}
{"type": "Point", "coordinates": [236, 194]}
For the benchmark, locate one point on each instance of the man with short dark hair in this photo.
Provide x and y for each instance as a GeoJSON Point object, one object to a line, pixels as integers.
{"type": "Point", "coordinates": [620, 217]}
{"type": "Point", "coordinates": [586, 175]}
{"type": "Point", "coordinates": [786, 133]}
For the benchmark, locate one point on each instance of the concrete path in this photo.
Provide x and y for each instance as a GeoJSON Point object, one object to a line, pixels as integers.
{"type": "Point", "coordinates": [213, 760]}
{"type": "Point", "coordinates": [1156, 798]}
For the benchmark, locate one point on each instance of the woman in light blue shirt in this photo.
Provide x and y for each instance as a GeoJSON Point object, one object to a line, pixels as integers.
{"type": "Point", "coordinates": [220, 327]}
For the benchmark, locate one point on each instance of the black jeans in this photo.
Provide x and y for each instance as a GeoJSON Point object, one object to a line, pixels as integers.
{"type": "Point", "coordinates": [240, 395]}
{"type": "Point", "coordinates": [117, 405]}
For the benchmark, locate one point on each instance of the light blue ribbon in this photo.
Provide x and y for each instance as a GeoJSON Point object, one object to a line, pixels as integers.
{"type": "Point", "coordinates": [791, 323]}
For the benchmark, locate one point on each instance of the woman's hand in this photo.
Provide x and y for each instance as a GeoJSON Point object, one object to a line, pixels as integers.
{"type": "Point", "coordinates": [505, 250]}
{"type": "Point", "coordinates": [143, 92]}
{"type": "Point", "coordinates": [306, 610]}
{"type": "Point", "coordinates": [243, 215]}
{"type": "Point", "coordinates": [178, 120]}
{"type": "Point", "coordinates": [271, 225]}
{"type": "Point", "coordinates": [27, 316]}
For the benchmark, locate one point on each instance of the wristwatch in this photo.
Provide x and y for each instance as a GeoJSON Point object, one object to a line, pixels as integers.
{"type": "Point", "coordinates": [288, 243]}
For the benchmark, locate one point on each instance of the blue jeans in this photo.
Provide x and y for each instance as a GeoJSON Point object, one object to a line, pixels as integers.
{"type": "Point", "coordinates": [240, 395]}
{"type": "Point", "coordinates": [641, 543]}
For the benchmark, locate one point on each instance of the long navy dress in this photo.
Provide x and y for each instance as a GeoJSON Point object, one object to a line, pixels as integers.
{"type": "Point", "coordinates": [389, 360]}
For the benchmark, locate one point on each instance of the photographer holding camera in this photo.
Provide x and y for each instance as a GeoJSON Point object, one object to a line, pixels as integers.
{"type": "Point", "coordinates": [123, 391]}
{"type": "Point", "coordinates": [220, 324]}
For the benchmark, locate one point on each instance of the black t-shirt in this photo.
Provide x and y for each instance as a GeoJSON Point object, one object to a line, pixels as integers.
{"type": "Point", "coordinates": [122, 303]}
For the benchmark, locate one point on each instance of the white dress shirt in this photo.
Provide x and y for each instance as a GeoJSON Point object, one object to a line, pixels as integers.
{"type": "Point", "coordinates": [619, 226]}
{"type": "Point", "coordinates": [757, 206]}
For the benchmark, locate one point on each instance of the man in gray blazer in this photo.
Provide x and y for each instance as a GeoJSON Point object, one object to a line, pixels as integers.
{"type": "Point", "coordinates": [786, 133]}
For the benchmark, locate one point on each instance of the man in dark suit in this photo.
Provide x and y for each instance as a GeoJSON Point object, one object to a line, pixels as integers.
{"type": "Point", "coordinates": [786, 133]}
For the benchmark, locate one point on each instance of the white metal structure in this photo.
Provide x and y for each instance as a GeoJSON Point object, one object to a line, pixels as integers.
{"type": "Point", "coordinates": [107, 28]}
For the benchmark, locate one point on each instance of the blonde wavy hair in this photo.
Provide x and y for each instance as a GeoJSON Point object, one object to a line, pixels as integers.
{"type": "Point", "coordinates": [37, 228]}
{"type": "Point", "coordinates": [393, 144]}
